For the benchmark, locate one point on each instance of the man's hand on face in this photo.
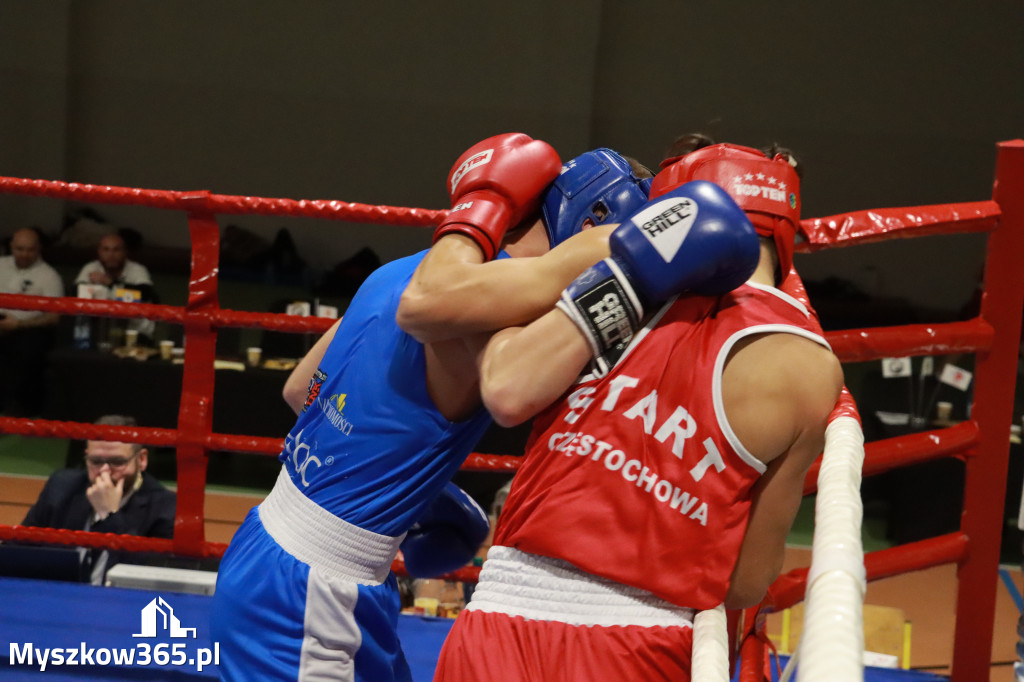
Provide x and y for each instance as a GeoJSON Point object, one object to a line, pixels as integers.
{"type": "Point", "coordinates": [105, 495]}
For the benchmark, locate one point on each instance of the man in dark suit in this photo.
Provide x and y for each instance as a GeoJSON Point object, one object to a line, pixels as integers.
{"type": "Point", "coordinates": [113, 494]}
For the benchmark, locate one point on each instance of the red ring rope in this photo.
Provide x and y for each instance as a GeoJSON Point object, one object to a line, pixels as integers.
{"type": "Point", "coordinates": [204, 201]}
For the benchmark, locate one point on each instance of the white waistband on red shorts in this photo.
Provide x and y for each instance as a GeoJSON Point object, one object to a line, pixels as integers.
{"type": "Point", "coordinates": [312, 534]}
{"type": "Point", "coordinates": [539, 588]}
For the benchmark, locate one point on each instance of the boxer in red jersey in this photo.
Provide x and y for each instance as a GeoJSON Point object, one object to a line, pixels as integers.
{"type": "Point", "coordinates": [664, 479]}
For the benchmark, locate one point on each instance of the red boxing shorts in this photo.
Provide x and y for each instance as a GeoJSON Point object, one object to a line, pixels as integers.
{"type": "Point", "coordinates": [494, 646]}
{"type": "Point", "coordinates": [539, 619]}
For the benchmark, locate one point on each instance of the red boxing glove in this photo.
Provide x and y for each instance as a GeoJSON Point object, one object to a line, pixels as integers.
{"type": "Point", "coordinates": [494, 185]}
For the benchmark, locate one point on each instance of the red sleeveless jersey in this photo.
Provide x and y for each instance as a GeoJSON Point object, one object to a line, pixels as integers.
{"type": "Point", "coordinates": [637, 476]}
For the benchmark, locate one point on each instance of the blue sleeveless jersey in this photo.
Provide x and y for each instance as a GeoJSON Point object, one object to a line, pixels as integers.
{"type": "Point", "coordinates": [369, 445]}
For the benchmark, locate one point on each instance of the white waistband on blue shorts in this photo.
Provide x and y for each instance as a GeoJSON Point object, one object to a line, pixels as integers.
{"type": "Point", "coordinates": [317, 537]}
{"type": "Point", "coordinates": [540, 588]}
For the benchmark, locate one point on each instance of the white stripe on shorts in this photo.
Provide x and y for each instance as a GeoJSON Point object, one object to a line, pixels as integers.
{"type": "Point", "coordinates": [317, 537]}
{"type": "Point", "coordinates": [539, 588]}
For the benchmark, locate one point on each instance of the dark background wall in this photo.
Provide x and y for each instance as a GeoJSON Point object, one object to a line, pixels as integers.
{"type": "Point", "coordinates": [888, 104]}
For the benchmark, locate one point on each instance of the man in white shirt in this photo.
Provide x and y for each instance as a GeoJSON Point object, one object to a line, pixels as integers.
{"type": "Point", "coordinates": [112, 270]}
{"type": "Point", "coordinates": [25, 335]}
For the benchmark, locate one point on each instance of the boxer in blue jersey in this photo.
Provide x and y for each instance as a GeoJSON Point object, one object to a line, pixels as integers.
{"type": "Point", "coordinates": [392, 409]}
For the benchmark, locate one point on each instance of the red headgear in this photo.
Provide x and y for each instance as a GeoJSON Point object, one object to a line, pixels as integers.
{"type": "Point", "coordinates": [767, 189]}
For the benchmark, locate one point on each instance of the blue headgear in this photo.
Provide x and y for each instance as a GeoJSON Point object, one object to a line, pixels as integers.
{"type": "Point", "coordinates": [600, 177]}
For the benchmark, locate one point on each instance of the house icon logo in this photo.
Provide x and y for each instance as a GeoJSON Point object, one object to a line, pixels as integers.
{"type": "Point", "coordinates": [159, 614]}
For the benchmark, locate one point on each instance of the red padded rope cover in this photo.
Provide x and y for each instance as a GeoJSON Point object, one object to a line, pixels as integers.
{"type": "Point", "coordinates": [863, 227]}
{"type": "Point", "coordinates": [223, 203]}
{"type": "Point", "coordinates": [789, 588]}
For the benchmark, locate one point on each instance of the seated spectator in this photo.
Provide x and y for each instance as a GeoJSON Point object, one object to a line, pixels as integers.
{"type": "Point", "coordinates": [25, 335]}
{"type": "Point", "coordinates": [112, 270]}
{"type": "Point", "coordinates": [113, 494]}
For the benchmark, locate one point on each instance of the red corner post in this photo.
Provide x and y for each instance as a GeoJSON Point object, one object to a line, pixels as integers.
{"type": "Point", "coordinates": [995, 376]}
{"type": "Point", "coordinates": [195, 414]}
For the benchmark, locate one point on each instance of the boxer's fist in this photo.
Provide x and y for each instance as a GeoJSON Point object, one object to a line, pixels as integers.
{"type": "Point", "coordinates": [447, 536]}
{"type": "Point", "coordinates": [494, 185]}
{"type": "Point", "coordinates": [692, 239]}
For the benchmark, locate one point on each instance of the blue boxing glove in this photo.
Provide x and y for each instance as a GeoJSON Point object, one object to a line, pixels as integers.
{"type": "Point", "coordinates": [692, 239]}
{"type": "Point", "coordinates": [447, 536]}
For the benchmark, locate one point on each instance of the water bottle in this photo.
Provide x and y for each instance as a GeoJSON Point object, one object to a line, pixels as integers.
{"type": "Point", "coordinates": [82, 333]}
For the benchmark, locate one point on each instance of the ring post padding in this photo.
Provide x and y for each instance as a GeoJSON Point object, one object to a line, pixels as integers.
{"type": "Point", "coordinates": [710, 646]}
{"type": "Point", "coordinates": [832, 645]}
{"type": "Point", "coordinates": [839, 510]}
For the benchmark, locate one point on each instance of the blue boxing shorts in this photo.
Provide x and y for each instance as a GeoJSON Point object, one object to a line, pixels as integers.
{"type": "Point", "coordinates": [332, 616]}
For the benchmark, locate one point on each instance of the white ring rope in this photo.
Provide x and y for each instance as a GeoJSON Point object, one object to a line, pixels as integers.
{"type": "Point", "coordinates": [710, 646]}
{"type": "Point", "coordinates": [832, 644]}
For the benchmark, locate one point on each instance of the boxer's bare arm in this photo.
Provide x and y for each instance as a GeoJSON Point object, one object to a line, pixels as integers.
{"type": "Point", "coordinates": [525, 369]}
{"type": "Point", "coordinates": [297, 384]}
{"type": "Point", "coordinates": [452, 294]}
{"type": "Point", "coordinates": [452, 379]}
{"type": "Point", "coordinates": [778, 391]}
